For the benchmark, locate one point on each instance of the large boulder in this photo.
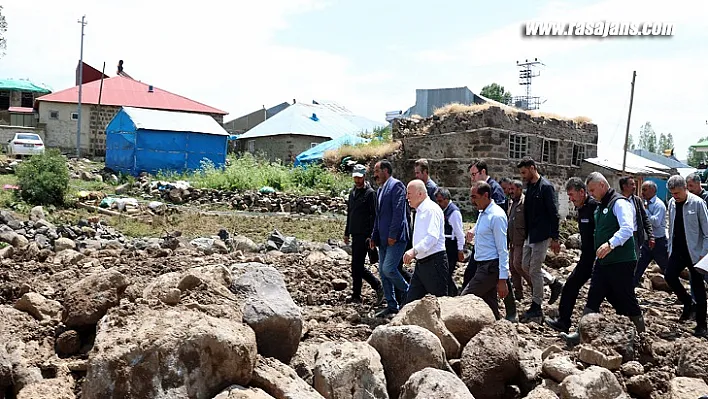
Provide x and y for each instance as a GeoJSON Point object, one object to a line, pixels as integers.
{"type": "Point", "coordinates": [693, 359]}
{"type": "Point", "coordinates": [593, 383]}
{"type": "Point", "coordinates": [239, 392]}
{"type": "Point", "coordinates": [465, 316]}
{"type": "Point", "coordinates": [431, 383]}
{"type": "Point", "coordinates": [304, 361]}
{"type": "Point", "coordinates": [405, 350]}
{"type": "Point", "coordinates": [59, 387]}
{"type": "Point", "coordinates": [558, 367]}
{"type": "Point", "coordinates": [426, 313]}
{"type": "Point", "coordinates": [140, 352]}
{"type": "Point", "coordinates": [491, 360]}
{"type": "Point", "coordinates": [596, 330]}
{"type": "Point", "coordinates": [39, 307]}
{"type": "Point", "coordinates": [687, 388]}
{"type": "Point", "coordinates": [269, 309]}
{"type": "Point", "coordinates": [280, 381]}
{"type": "Point", "coordinates": [349, 370]}
{"type": "Point", "coordinates": [204, 288]}
{"type": "Point", "coordinates": [87, 300]}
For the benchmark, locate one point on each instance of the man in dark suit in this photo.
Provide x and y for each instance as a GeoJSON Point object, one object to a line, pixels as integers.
{"type": "Point", "coordinates": [391, 233]}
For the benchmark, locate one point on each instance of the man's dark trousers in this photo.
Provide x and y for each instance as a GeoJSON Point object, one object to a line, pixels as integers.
{"type": "Point", "coordinates": [451, 250]}
{"type": "Point", "coordinates": [614, 283]}
{"type": "Point", "coordinates": [484, 284]}
{"type": "Point", "coordinates": [471, 270]}
{"type": "Point", "coordinates": [360, 248]}
{"type": "Point", "coordinates": [676, 265]}
{"type": "Point", "coordinates": [660, 255]}
{"type": "Point", "coordinates": [577, 279]}
{"type": "Point", "coordinates": [429, 277]}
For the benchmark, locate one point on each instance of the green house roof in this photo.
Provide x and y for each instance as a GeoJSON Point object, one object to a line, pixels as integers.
{"type": "Point", "coordinates": [701, 144]}
{"type": "Point", "coordinates": [22, 85]}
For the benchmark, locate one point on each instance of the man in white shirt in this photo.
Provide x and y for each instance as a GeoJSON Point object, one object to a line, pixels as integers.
{"type": "Point", "coordinates": [491, 253]}
{"type": "Point", "coordinates": [431, 270]}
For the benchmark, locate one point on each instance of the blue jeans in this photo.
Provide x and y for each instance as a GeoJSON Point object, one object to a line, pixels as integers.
{"type": "Point", "coordinates": [391, 278]}
{"type": "Point", "coordinates": [660, 255]}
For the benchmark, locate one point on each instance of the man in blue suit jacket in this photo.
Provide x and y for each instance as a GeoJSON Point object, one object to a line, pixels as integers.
{"type": "Point", "coordinates": [390, 233]}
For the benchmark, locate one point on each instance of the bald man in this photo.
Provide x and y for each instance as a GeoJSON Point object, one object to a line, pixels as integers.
{"type": "Point", "coordinates": [431, 270]}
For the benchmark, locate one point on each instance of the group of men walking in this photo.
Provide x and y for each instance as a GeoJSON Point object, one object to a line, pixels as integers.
{"type": "Point", "coordinates": [517, 222]}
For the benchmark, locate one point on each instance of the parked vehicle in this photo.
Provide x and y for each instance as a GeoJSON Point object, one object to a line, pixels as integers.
{"type": "Point", "coordinates": [25, 144]}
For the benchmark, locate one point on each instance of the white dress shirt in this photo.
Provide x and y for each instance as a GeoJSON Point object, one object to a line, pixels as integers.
{"type": "Point", "coordinates": [429, 230]}
{"type": "Point", "coordinates": [623, 210]}
{"type": "Point", "coordinates": [458, 230]}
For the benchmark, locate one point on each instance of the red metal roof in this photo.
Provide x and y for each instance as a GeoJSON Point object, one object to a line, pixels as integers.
{"type": "Point", "coordinates": [21, 110]}
{"type": "Point", "coordinates": [122, 91]}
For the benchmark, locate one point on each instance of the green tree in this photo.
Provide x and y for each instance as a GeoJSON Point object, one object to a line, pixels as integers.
{"type": "Point", "coordinates": [695, 158]}
{"type": "Point", "coordinates": [630, 143]}
{"type": "Point", "coordinates": [496, 92]}
{"type": "Point", "coordinates": [3, 29]}
{"type": "Point", "coordinates": [647, 138]}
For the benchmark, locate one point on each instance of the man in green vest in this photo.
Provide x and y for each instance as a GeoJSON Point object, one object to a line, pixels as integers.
{"type": "Point", "coordinates": [616, 258]}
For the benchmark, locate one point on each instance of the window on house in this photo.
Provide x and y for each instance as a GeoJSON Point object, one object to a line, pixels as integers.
{"type": "Point", "coordinates": [578, 154]}
{"type": "Point", "coordinates": [550, 152]}
{"type": "Point", "coordinates": [74, 116]}
{"type": "Point", "coordinates": [27, 120]}
{"type": "Point", "coordinates": [313, 145]}
{"type": "Point", "coordinates": [54, 115]}
{"type": "Point", "coordinates": [27, 100]}
{"type": "Point", "coordinates": [518, 146]}
{"type": "Point", "coordinates": [4, 100]}
{"type": "Point", "coordinates": [251, 146]}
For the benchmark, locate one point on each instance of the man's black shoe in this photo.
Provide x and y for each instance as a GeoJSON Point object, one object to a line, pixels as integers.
{"type": "Point", "coordinates": [558, 325]}
{"type": "Point", "coordinates": [534, 312]}
{"type": "Point", "coordinates": [701, 332]}
{"type": "Point", "coordinates": [688, 312]}
{"type": "Point", "coordinates": [379, 296]}
{"type": "Point", "coordinates": [556, 289]}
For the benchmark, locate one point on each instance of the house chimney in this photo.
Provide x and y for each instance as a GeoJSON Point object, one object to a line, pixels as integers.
{"type": "Point", "coordinates": [120, 67]}
{"type": "Point", "coordinates": [150, 89]}
{"type": "Point", "coordinates": [294, 101]}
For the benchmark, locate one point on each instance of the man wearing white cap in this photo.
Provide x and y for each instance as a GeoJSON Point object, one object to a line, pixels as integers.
{"type": "Point", "coordinates": [361, 214]}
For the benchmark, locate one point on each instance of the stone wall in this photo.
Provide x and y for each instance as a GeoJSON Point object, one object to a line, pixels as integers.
{"type": "Point", "coordinates": [451, 142]}
{"type": "Point", "coordinates": [284, 147]}
{"type": "Point", "coordinates": [8, 132]}
{"type": "Point", "coordinates": [100, 118]}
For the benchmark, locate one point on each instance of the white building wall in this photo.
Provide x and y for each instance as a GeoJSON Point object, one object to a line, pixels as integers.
{"type": "Point", "coordinates": [60, 132]}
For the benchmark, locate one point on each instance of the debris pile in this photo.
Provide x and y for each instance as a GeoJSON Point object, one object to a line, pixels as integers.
{"type": "Point", "coordinates": [238, 319]}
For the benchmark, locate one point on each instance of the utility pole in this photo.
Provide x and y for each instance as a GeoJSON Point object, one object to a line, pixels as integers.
{"type": "Point", "coordinates": [629, 117]}
{"type": "Point", "coordinates": [81, 82]}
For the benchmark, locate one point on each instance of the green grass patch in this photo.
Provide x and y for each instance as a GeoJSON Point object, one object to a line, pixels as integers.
{"type": "Point", "coordinates": [247, 172]}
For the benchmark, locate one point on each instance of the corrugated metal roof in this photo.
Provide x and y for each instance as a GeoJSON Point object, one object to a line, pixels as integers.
{"type": "Point", "coordinates": [635, 165]}
{"type": "Point", "coordinates": [122, 91]}
{"type": "Point", "coordinates": [670, 162]}
{"type": "Point", "coordinates": [150, 119]}
{"type": "Point", "coordinates": [22, 85]}
{"type": "Point", "coordinates": [298, 119]}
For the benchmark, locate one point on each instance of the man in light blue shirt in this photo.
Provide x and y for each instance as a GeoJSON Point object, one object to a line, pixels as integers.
{"type": "Point", "coordinates": [656, 213]}
{"type": "Point", "coordinates": [490, 252]}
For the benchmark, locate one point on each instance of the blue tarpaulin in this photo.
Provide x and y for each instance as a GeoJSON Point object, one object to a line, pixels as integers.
{"type": "Point", "coordinates": [142, 140]}
{"type": "Point", "coordinates": [316, 153]}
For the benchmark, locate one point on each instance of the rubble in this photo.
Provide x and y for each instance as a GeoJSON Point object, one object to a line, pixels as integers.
{"type": "Point", "coordinates": [86, 311]}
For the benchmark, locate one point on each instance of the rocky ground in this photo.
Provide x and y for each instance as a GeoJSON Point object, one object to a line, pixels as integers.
{"type": "Point", "coordinates": [86, 312]}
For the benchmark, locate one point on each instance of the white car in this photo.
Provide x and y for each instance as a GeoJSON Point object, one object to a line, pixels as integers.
{"type": "Point", "coordinates": [25, 144]}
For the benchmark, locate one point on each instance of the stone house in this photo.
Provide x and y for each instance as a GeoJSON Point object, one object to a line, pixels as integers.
{"type": "Point", "coordinates": [17, 114]}
{"type": "Point", "coordinates": [300, 127]}
{"type": "Point", "coordinates": [101, 101]}
{"type": "Point", "coordinates": [451, 141]}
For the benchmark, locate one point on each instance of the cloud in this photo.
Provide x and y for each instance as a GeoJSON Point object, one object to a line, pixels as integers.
{"type": "Point", "coordinates": [220, 53]}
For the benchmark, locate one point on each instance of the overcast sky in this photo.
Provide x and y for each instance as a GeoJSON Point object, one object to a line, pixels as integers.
{"type": "Point", "coordinates": [371, 55]}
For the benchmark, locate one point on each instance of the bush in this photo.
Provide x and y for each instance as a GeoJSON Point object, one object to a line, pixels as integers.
{"type": "Point", "coordinates": [44, 179]}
